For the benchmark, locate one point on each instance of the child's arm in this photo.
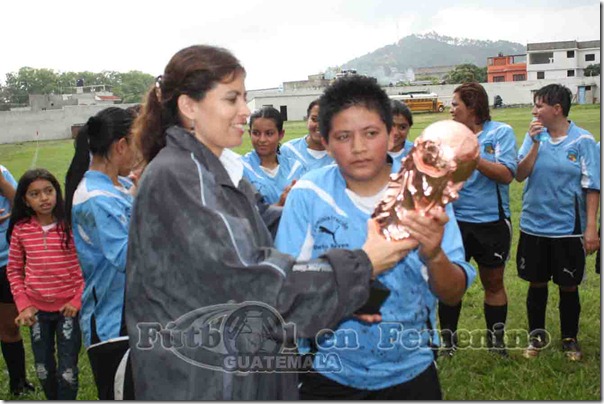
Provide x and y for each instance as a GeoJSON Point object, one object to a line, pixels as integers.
{"type": "Point", "coordinates": [15, 271]}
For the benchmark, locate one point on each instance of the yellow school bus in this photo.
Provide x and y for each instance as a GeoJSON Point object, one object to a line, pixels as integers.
{"type": "Point", "coordinates": [421, 102]}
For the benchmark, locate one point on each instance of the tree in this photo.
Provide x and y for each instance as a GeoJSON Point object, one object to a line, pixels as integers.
{"type": "Point", "coordinates": [592, 70]}
{"type": "Point", "coordinates": [466, 73]}
{"type": "Point", "coordinates": [132, 86]}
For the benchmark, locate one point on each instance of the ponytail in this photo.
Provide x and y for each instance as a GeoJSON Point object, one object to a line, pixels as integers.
{"type": "Point", "coordinates": [79, 165]}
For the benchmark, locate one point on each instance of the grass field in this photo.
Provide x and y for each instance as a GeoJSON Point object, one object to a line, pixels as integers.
{"type": "Point", "coordinates": [470, 374]}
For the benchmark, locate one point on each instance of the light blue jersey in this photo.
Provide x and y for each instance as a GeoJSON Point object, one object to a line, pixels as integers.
{"type": "Point", "coordinates": [269, 187]}
{"type": "Point", "coordinates": [297, 149]}
{"type": "Point", "coordinates": [481, 198]}
{"type": "Point", "coordinates": [7, 206]}
{"type": "Point", "coordinates": [402, 153]}
{"type": "Point", "coordinates": [319, 215]}
{"type": "Point", "coordinates": [100, 219]}
{"type": "Point", "coordinates": [553, 200]}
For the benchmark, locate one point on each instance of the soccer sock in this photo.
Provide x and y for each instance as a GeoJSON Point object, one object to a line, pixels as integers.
{"type": "Point", "coordinates": [448, 317]}
{"type": "Point", "coordinates": [536, 303]}
{"type": "Point", "coordinates": [570, 309]}
{"type": "Point", "coordinates": [495, 315]}
{"type": "Point", "coordinates": [14, 356]}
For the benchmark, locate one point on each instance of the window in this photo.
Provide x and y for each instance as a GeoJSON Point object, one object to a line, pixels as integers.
{"type": "Point", "coordinates": [541, 58]}
{"type": "Point", "coordinates": [570, 73]}
{"type": "Point", "coordinates": [570, 54]}
{"type": "Point", "coordinates": [590, 57]}
{"type": "Point", "coordinates": [587, 88]}
{"type": "Point", "coordinates": [498, 79]}
{"type": "Point", "coordinates": [519, 77]}
{"type": "Point", "coordinates": [540, 75]}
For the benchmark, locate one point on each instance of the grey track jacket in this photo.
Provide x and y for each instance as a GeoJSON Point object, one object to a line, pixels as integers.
{"type": "Point", "coordinates": [196, 241]}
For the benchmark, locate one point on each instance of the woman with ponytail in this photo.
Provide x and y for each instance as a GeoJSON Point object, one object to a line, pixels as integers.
{"type": "Point", "coordinates": [98, 205]}
{"type": "Point", "coordinates": [198, 244]}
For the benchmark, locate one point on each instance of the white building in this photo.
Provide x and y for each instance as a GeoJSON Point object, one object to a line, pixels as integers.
{"type": "Point", "coordinates": [559, 60]}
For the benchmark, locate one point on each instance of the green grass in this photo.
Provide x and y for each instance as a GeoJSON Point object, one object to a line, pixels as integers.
{"type": "Point", "coordinates": [470, 374]}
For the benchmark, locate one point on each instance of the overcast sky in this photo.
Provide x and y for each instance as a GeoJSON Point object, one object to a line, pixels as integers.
{"type": "Point", "coordinates": [276, 40]}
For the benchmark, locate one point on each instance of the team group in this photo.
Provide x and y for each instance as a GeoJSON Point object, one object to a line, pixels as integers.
{"type": "Point", "coordinates": [161, 218]}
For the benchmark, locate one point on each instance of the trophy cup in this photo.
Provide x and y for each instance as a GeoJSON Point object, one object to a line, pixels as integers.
{"type": "Point", "coordinates": [442, 158]}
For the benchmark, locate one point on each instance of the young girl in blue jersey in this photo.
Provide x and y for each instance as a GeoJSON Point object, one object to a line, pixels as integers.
{"type": "Point", "coordinates": [402, 121]}
{"type": "Point", "coordinates": [98, 205]}
{"type": "Point", "coordinates": [328, 208]}
{"type": "Point", "coordinates": [271, 173]}
{"type": "Point", "coordinates": [483, 214]}
{"type": "Point", "coordinates": [309, 150]}
{"type": "Point", "coordinates": [558, 223]}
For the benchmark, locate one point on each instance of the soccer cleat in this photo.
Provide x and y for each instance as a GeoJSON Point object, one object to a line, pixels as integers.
{"type": "Point", "coordinates": [447, 350]}
{"type": "Point", "coordinates": [534, 348]}
{"type": "Point", "coordinates": [22, 387]}
{"type": "Point", "coordinates": [571, 349]}
{"type": "Point", "coordinates": [496, 344]}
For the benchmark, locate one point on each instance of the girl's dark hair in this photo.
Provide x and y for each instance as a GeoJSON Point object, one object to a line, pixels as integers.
{"type": "Point", "coordinates": [475, 97]}
{"type": "Point", "coordinates": [21, 211]}
{"type": "Point", "coordinates": [268, 113]}
{"type": "Point", "coordinates": [352, 91]}
{"type": "Point", "coordinates": [400, 108]}
{"type": "Point", "coordinates": [310, 107]}
{"type": "Point", "coordinates": [95, 137]}
{"type": "Point", "coordinates": [192, 71]}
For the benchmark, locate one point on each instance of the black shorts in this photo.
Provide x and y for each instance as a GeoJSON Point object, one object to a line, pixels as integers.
{"type": "Point", "coordinates": [6, 296]}
{"type": "Point", "coordinates": [488, 243]}
{"type": "Point", "coordinates": [425, 386]}
{"type": "Point", "coordinates": [540, 259]}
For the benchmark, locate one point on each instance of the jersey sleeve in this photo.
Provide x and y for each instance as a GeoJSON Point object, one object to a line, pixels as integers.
{"type": "Point", "coordinates": [294, 235]}
{"type": "Point", "coordinates": [590, 163]}
{"type": "Point", "coordinates": [112, 224]}
{"type": "Point", "coordinates": [505, 150]}
{"type": "Point", "coordinates": [526, 147]}
{"type": "Point", "coordinates": [452, 246]}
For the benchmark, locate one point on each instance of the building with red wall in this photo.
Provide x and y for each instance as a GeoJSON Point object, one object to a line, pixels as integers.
{"type": "Point", "coordinates": [506, 68]}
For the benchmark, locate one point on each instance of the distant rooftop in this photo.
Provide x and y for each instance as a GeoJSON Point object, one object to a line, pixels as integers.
{"type": "Point", "coordinates": [562, 45]}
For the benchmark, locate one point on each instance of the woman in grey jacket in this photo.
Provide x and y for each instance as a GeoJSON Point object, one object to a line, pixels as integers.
{"type": "Point", "coordinates": [212, 310]}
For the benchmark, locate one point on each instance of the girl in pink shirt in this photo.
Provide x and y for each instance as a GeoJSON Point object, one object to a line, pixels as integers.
{"type": "Point", "coordinates": [46, 281]}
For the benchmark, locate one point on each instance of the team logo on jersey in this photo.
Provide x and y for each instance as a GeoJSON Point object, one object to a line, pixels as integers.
{"type": "Point", "coordinates": [572, 155]}
{"type": "Point", "coordinates": [327, 230]}
{"type": "Point", "coordinates": [489, 148]}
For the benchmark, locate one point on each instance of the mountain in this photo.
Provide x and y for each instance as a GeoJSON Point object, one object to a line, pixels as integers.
{"type": "Point", "coordinates": [392, 62]}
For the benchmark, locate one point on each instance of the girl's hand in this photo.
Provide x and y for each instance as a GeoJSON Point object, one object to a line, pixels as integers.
{"type": "Point", "coordinates": [382, 253]}
{"type": "Point", "coordinates": [283, 196]}
{"type": "Point", "coordinates": [68, 310]}
{"type": "Point", "coordinates": [428, 230]}
{"type": "Point", "coordinates": [27, 317]}
{"type": "Point", "coordinates": [369, 318]}
{"type": "Point", "coordinates": [4, 217]}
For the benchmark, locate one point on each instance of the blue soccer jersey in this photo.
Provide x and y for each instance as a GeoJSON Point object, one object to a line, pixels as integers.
{"type": "Point", "coordinates": [319, 215]}
{"type": "Point", "coordinates": [481, 198]}
{"type": "Point", "coordinates": [553, 200]}
{"type": "Point", "coordinates": [100, 219]}
{"type": "Point", "coordinates": [270, 187]}
{"type": "Point", "coordinates": [6, 205]}
{"type": "Point", "coordinates": [297, 149]}
{"type": "Point", "coordinates": [402, 153]}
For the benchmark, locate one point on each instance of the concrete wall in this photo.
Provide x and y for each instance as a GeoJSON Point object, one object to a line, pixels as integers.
{"type": "Point", "coordinates": [26, 126]}
{"type": "Point", "coordinates": [518, 92]}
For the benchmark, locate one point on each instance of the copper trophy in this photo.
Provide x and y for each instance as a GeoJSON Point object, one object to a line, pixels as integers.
{"type": "Point", "coordinates": [442, 158]}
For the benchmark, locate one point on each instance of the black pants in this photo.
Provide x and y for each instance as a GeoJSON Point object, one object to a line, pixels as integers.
{"type": "Point", "coordinates": [105, 359]}
{"type": "Point", "coordinates": [425, 386]}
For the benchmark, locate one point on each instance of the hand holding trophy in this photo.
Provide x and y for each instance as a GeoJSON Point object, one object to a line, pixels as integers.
{"type": "Point", "coordinates": [442, 158]}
